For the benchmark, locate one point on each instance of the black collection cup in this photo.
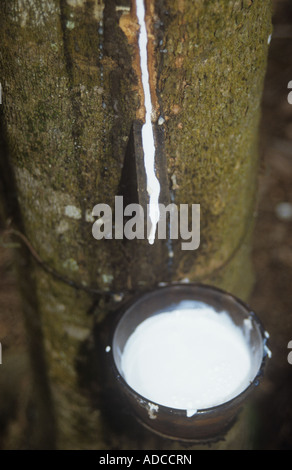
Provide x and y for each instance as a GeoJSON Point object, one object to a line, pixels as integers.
{"type": "Point", "coordinates": [209, 423]}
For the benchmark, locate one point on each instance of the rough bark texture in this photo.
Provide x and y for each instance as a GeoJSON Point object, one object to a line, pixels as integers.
{"type": "Point", "coordinates": [69, 100]}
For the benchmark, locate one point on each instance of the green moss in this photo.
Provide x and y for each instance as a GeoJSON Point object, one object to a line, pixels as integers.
{"type": "Point", "coordinates": [211, 143]}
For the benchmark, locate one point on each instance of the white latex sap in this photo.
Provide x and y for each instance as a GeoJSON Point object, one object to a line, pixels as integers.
{"type": "Point", "coordinates": [153, 186]}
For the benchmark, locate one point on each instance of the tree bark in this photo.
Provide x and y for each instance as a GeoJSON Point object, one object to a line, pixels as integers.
{"type": "Point", "coordinates": [70, 96]}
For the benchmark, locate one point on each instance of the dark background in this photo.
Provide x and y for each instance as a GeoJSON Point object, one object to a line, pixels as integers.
{"type": "Point", "coordinates": [272, 250]}
{"type": "Point", "coordinates": [272, 256]}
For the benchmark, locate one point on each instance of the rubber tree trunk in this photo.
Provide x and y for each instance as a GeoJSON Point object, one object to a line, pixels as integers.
{"type": "Point", "coordinates": [70, 92]}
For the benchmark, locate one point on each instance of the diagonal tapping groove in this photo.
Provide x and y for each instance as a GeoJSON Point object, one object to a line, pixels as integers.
{"type": "Point", "coordinates": [149, 159]}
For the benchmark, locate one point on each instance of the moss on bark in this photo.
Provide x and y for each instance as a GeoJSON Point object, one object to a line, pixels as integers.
{"type": "Point", "coordinates": [212, 61]}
